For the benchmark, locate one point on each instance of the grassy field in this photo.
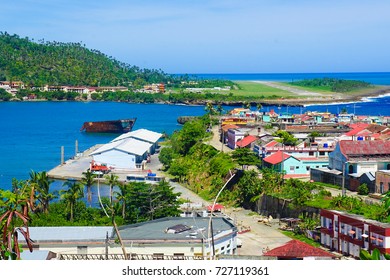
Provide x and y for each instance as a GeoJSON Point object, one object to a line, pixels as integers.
{"type": "Point", "coordinates": [248, 88]}
{"type": "Point", "coordinates": [327, 91]}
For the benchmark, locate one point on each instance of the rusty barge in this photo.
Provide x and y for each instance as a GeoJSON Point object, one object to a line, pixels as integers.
{"type": "Point", "coordinates": [116, 126]}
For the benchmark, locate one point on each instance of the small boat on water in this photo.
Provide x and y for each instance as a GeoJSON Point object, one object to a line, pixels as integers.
{"type": "Point", "coordinates": [116, 126]}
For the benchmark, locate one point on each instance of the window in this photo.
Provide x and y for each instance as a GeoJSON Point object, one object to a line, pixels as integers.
{"type": "Point", "coordinates": [82, 249]}
{"type": "Point", "coordinates": [296, 167]}
{"type": "Point", "coordinates": [350, 169]}
{"type": "Point", "coordinates": [311, 153]}
{"type": "Point", "coordinates": [307, 168]}
{"type": "Point", "coordinates": [322, 153]}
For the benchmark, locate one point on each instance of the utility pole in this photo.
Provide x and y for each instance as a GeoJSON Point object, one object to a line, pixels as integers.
{"type": "Point", "coordinates": [343, 183]}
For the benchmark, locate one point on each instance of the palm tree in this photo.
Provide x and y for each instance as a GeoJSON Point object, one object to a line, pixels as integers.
{"type": "Point", "coordinates": [42, 183]}
{"type": "Point", "coordinates": [121, 196]}
{"type": "Point", "coordinates": [88, 180]}
{"type": "Point", "coordinates": [74, 192]}
{"type": "Point", "coordinates": [112, 180]}
{"type": "Point", "coordinates": [210, 108]}
{"type": "Point", "coordinates": [219, 109]}
{"type": "Point", "coordinates": [15, 207]}
{"type": "Point", "coordinates": [246, 105]}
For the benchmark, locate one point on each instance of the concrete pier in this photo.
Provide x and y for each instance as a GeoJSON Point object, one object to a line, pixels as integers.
{"type": "Point", "coordinates": [74, 167]}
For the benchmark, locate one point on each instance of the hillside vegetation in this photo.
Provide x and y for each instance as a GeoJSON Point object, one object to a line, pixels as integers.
{"type": "Point", "coordinates": [333, 84]}
{"type": "Point", "coordinates": [56, 63]}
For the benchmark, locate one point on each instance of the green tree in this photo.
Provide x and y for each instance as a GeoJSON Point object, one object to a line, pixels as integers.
{"type": "Point", "coordinates": [147, 202]}
{"type": "Point", "coordinates": [192, 132]}
{"type": "Point", "coordinates": [375, 255]}
{"type": "Point", "coordinates": [42, 185]}
{"type": "Point", "coordinates": [285, 138]}
{"type": "Point", "coordinates": [121, 197]}
{"type": "Point", "coordinates": [70, 196]}
{"type": "Point", "coordinates": [166, 156]}
{"type": "Point", "coordinates": [209, 108]}
{"type": "Point", "coordinates": [88, 180]}
{"type": "Point", "coordinates": [112, 181]}
{"type": "Point", "coordinates": [386, 202]}
{"type": "Point", "coordinates": [249, 188]}
{"type": "Point", "coordinates": [244, 156]}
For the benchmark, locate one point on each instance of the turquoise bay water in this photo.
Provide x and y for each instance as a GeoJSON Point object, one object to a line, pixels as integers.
{"type": "Point", "coordinates": [376, 78]}
{"type": "Point", "coordinates": [32, 133]}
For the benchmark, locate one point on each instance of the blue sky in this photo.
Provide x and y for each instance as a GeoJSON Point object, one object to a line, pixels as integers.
{"type": "Point", "coordinates": [216, 36]}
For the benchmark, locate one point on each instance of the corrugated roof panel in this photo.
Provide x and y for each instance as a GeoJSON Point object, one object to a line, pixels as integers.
{"type": "Point", "coordinates": [142, 134]}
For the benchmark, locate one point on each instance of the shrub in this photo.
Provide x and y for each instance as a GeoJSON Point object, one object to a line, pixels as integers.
{"type": "Point", "coordinates": [363, 189]}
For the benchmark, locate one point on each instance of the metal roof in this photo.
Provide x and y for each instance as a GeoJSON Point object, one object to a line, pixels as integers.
{"type": "Point", "coordinates": [129, 145]}
{"type": "Point", "coordinates": [246, 141]}
{"type": "Point", "coordinates": [140, 134]}
{"type": "Point", "coordinates": [157, 229]}
{"type": "Point", "coordinates": [61, 234]}
{"type": "Point", "coordinates": [364, 148]}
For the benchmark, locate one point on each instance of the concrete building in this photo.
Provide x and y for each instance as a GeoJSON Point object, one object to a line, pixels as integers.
{"type": "Point", "coordinates": [382, 181]}
{"type": "Point", "coordinates": [165, 238]}
{"type": "Point", "coordinates": [349, 233]}
{"type": "Point", "coordinates": [68, 239]}
{"type": "Point", "coordinates": [355, 163]}
{"type": "Point", "coordinates": [358, 157]}
{"type": "Point", "coordinates": [234, 135]}
{"type": "Point", "coordinates": [180, 236]}
{"type": "Point", "coordinates": [291, 165]}
{"type": "Point", "coordinates": [123, 154]}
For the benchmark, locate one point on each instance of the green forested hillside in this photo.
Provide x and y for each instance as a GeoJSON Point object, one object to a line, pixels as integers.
{"type": "Point", "coordinates": [56, 63]}
{"type": "Point", "coordinates": [333, 84]}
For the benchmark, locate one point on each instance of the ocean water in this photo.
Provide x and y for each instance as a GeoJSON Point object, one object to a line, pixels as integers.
{"type": "Point", "coordinates": [376, 78]}
{"type": "Point", "coordinates": [32, 133]}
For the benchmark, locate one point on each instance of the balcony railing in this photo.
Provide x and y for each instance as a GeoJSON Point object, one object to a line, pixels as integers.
{"type": "Point", "coordinates": [129, 257]}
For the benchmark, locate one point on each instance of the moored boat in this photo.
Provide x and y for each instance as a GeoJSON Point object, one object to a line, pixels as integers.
{"type": "Point", "coordinates": [115, 126]}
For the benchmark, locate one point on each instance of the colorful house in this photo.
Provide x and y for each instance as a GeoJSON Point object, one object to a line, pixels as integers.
{"type": "Point", "coordinates": [358, 157]}
{"type": "Point", "coordinates": [291, 165]}
{"type": "Point", "coordinates": [349, 233]}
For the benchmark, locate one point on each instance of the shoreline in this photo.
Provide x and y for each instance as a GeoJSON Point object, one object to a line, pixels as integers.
{"type": "Point", "coordinates": [283, 101]}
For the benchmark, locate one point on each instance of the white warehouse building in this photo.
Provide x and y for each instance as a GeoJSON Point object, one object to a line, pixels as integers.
{"type": "Point", "coordinates": [123, 154]}
{"type": "Point", "coordinates": [142, 135]}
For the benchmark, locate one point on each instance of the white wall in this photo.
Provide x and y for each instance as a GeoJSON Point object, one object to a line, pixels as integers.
{"type": "Point", "coordinates": [116, 159]}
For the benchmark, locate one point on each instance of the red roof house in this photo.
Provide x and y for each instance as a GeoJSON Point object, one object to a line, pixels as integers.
{"type": "Point", "coordinates": [277, 157]}
{"type": "Point", "coordinates": [215, 207]}
{"type": "Point", "coordinates": [298, 250]}
{"type": "Point", "coordinates": [246, 141]}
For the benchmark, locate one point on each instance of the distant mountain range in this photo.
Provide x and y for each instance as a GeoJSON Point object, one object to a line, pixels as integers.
{"type": "Point", "coordinates": [56, 63]}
